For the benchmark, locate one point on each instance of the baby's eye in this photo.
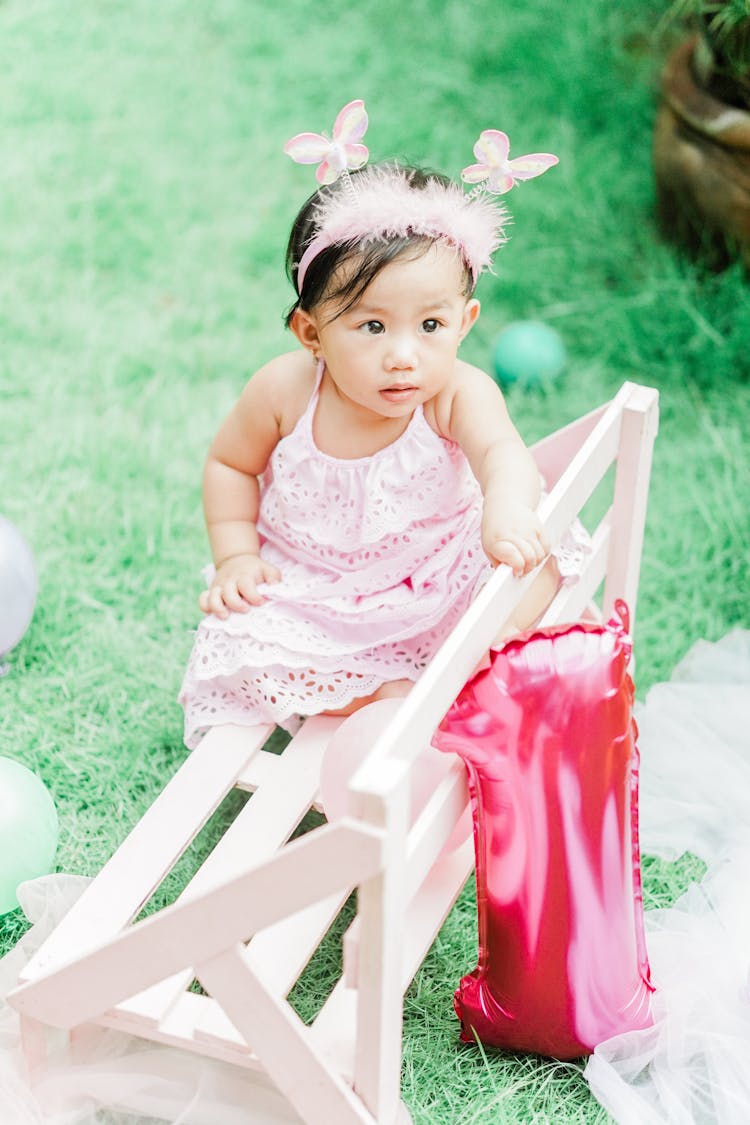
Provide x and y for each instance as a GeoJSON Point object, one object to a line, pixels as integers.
{"type": "Point", "coordinates": [372, 327]}
{"type": "Point", "coordinates": [430, 325]}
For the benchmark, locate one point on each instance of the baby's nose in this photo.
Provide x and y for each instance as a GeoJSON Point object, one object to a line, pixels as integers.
{"type": "Point", "coordinates": [401, 355]}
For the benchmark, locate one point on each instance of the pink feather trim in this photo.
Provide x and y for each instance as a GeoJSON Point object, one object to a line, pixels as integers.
{"type": "Point", "coordinates": [382, 205]}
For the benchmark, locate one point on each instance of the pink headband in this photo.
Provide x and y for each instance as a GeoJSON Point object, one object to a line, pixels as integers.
{"type": "Point", "coordinates": [381, 203]}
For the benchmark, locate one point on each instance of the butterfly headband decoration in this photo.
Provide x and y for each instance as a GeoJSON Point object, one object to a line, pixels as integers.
{"type": "Point", "coordinates": [382, 204]}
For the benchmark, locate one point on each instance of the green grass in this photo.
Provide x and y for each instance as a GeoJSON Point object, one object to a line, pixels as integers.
{"type": "Point", "coordinates": [144, 207]}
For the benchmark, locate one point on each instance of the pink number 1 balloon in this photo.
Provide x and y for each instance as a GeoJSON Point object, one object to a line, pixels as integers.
{"type": "Point", "coordinates": [548, 739]}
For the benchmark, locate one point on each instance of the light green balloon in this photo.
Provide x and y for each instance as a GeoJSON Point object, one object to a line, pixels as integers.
{"type": "Point", "coordinates": [529, 353]}
{"type": "Point", "coordinates": [28, 830]}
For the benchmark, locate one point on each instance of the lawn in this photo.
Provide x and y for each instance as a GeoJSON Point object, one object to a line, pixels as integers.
{"type": "Point", "coordinates": [144, 209]}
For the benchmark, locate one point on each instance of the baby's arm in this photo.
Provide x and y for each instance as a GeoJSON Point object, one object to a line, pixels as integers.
{"type": "Point", "coordinates": [231, 493]}
{"type": "Point", "coordinates": [507, 473]}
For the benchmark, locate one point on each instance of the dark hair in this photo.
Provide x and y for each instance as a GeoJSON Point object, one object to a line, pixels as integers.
{"type": "Point", "coordinates": [370, 259]}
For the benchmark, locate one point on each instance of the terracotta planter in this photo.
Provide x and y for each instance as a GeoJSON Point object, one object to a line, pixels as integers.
{"type": "Point", "coordinates": [702, 166]}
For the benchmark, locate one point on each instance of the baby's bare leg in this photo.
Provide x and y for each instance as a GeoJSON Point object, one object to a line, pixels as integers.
{"type": "Point", "coordinates": [391, 690]}
{"type": "Point", "coordinates": [394, 690]}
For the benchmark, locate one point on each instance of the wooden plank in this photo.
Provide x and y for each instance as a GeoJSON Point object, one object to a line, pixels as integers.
{"type": "Point", "coordinates": [639, 427]}
{"type": "Point", "coordinates": [262, 826]}
{"type": "Point", "coordinates": [258, 771]}
{"type": "Point", "coordinates": [572, 601]}
{"type": "Point", "coordinates": [436, 823]}
{"type": "Point", "coordinates": [263, 767]}
{"type": "Point", "coordinates": [34, 1043]}
{"type": "Point", "coordinates": [427, 837]}
{"type": "Point", "coordinates": [431, 906]}
{"type": "Point", "coordinates": [382, 903]}
{"type": "Point", "coordinates": [273, 812]}
{"type": "Point", "coordinates": [584, 472]}
{"type": "Point", "coordinates": [154, 844]}
{"type": "Point", "coordinates": [187, 933]}
{"type": "Point", "coordinates": [195, 1023]}
{"type": "Point", "coordinates": [279, 954]}
{"type": "Point", "coordinates": [151, 1006]}
{"type": "Point", "coordinates": [554, 452]}
{"type": "Point", "coordinates": [283, 1044]}
{"type": "Point", "coordinates": [334, 1025]}
{"type": "Point", "coordinates": [445, 877]}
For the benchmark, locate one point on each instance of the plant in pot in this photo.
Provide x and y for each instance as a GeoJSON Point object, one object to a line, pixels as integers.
{"type": "Point", "coordinates": [702, 132]}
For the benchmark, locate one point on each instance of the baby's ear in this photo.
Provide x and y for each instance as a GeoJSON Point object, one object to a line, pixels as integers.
{"type": "Point", "coordinates": [305, 328]}
{"type": "Point", "coordinates": [470, 317]}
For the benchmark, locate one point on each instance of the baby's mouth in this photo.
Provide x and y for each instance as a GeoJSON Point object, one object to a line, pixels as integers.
{"type": "Point", "coordinates": [398, 393]}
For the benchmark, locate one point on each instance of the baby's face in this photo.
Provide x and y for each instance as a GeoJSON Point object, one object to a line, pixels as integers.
{"type": "Point", "coordinates": [396, 347]}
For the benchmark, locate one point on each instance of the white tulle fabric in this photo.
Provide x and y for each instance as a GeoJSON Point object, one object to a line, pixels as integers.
{"type": "Point", "coordinates": [689, 1069]}
{"type": "Point", "coordinates": [380, 556]}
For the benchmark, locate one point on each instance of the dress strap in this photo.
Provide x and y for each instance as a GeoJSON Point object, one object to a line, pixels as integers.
{"type": "Point", "coordinates": [305, 421]}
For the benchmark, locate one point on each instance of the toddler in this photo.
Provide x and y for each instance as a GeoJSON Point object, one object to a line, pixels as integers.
{"type": "Point", "coordinates": [364, 485]}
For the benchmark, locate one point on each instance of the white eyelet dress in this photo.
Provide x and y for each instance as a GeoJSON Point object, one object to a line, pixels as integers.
{"type": "Point", "coordinates": [379, 556]}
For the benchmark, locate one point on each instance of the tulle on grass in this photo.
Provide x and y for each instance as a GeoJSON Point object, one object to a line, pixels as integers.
{"type": "Point", "coordinates": [691, 1067]}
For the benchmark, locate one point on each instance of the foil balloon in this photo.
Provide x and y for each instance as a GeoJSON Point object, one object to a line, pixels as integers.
{"type": "Point", "coordinates": [549, 742]}
{"type": "Point", "coordinates": [17, 585]}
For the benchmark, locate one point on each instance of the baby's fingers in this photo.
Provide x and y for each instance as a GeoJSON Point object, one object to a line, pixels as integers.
{"type": "Point", "coordinates": [522, 555]}
{"type": "Point", "coordinates": [543, 540]}
{"type": "Point", "coordinates": [270, 573]}
{"type": "Point", "coordinates": [247, 593]}
{"type": "Point", "coordinates": [212, 601]}
{"type": "Point", "coordinates": [227, 597]}
{"type": "Point", "coordinates": [506, 551]}
{"type": "Point", "coordinates": [536, 550]}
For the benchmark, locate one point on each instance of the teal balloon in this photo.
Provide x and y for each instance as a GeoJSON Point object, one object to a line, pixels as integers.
{"type": "Point", "coordinates": [529, 353]}
{"type": "Point", "coordinates": [28, 830]}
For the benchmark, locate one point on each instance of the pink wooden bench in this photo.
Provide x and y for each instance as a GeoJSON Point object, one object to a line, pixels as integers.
{"type": "Point", "coordinates": [260, 905]}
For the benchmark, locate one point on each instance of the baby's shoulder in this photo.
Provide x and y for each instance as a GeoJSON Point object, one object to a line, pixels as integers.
{"type": "Point", "coordinates": [285, 383]}
{"type": "Point", "coordinates": [465, 381]}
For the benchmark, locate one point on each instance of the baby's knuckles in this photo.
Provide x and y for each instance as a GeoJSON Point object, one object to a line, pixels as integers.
{"type": "Point", "coordinates": [509, 552]}
{"type": "Point", "coordinates": [235, 584]}
{"type": "Point", "coordinates": [513, 534]}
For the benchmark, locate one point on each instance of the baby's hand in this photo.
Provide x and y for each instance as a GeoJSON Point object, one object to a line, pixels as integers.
{"type": "Point", "coordinates": [512, 533]}
{"type": "Point", "coordinates": [235, 585]}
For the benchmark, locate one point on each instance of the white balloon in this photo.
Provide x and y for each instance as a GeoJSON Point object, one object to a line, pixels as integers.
{"type": "Point", "coordinates": [17, 585]}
